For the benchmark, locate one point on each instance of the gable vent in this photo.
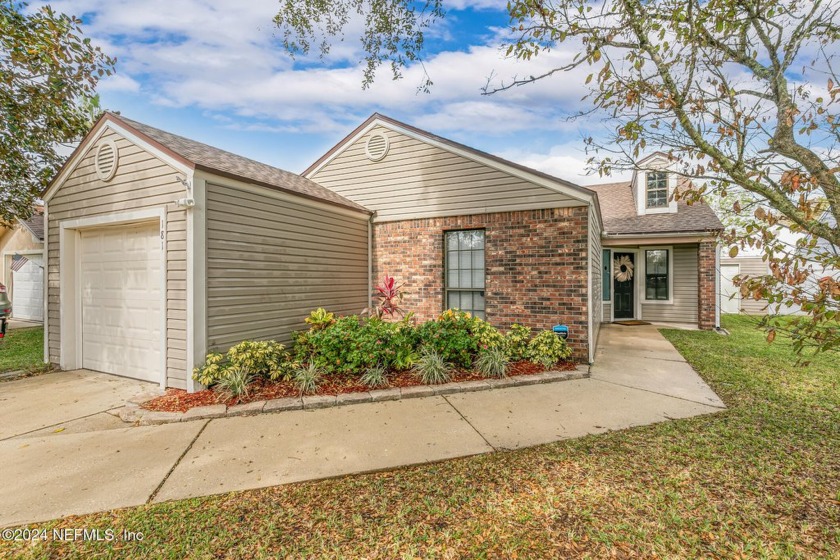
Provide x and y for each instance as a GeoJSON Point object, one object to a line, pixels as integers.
{"type": "Point", "coordinates": [106, 160]}
{"type": "Point", "coordinates": [377, 147]}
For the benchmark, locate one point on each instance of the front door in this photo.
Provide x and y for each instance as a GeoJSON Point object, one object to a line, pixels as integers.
{"type": "Point", "coordinates": [624, 274]}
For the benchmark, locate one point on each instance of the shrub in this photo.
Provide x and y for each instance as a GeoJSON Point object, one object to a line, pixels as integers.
{"type": "Point", "coordinates": [432, 368]}
{"type": "Point", "coordinates": [516, 342]}
{"type": "Point", "coordinates": [389, 296]}
{"type": "Point", "coordinates": [492, 362]}
{"type": "Point", "coordinates": [267, 358]}
{"type": "Point", "coordinates": [235, 383]}
{"type": "Point", "coordinates": [307, 379]}
{"type": "Point", "coordinates": [547, 349]}
{"type": "Point", "coordinates": [320, 319]}
{"type": "Point", "coordinates": [451, 337]}
{"type": "Point", "coordinates": [486, 335]}
{"type": "Point", "coordinates": [375, 377]}
{"type": "Point", "coordinates": [352, 344]}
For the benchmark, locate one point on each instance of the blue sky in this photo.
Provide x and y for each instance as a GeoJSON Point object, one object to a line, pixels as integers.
{"type": "Point", "coordinates": [213, 70]}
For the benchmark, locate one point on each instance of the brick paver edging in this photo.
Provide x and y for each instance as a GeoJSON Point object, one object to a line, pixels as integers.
{"type": "Point", "coordinates": [132, 412]}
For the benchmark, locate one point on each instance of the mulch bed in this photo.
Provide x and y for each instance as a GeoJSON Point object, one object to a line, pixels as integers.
{"type": "Point", "coordinates": [178, 400]}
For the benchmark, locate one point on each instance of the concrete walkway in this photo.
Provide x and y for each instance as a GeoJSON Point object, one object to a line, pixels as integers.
{"type": "Point", "coordinates": [639, 379]}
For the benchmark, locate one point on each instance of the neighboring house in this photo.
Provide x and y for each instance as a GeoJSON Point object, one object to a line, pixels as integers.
{"type": "Point", "coordinates": [753, 264]}
{"type": "Point", "coordinates": [162, 248]}
{"type": "Point", "coordinates": [22, 266]}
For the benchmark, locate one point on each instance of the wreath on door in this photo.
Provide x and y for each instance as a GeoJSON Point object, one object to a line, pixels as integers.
{"type": "Point", "coordinates": [623, 268]}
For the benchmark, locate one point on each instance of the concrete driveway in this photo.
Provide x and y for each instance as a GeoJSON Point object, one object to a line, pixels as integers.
{"type": "Point", "coordinates": [70, 401]}
{"type": "Point", "coordinates": [639, 379]}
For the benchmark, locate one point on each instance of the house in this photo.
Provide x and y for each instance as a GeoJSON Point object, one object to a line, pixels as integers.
{"type": "Point", "coordinates": [751, 263]}
{"type": "Point", "coordinates": [22, 266]}
{"type": "Point", "coordinates": [161, 248]}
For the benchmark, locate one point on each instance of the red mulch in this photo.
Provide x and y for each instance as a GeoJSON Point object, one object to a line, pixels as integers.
{"type": "Point", "coordinates": [178, 400]}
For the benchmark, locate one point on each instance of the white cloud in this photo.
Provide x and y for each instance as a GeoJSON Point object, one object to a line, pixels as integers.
{"type": "Point", "coordinates": [566, 161]}
{"type": "Point", "coordinates": [197, 53]}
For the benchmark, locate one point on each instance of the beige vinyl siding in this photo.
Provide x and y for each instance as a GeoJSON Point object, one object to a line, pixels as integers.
{"type": "Point", "coordinates": [141, 181]}
{"type": "Point", "coordinates": [685, 295]}
{"type": "Point", "coordinates": [271, 260]}
{"type": "Point", "coordinates": [416, 179]}
{"type": "Point", "coordinates": [754, 267]}
{"type": "Point", "coordinates": [607, 310]}
{"type": "Point", "coordinates": [595, 284]}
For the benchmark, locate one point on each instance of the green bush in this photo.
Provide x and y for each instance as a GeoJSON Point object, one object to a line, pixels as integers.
{"type": "Point", "coordinates": [432, 368]}
{"type": "Point", "coordinates": [266, 358]}
{"type": "Point", "coordinates": [351, 345]}
{"type": "Point", "coordinates": [307, 379]}
{"type": "Point", "coordinates": [457, 336]}
{"type": "Point", "coordinates": [516, 342]}
{"type": "Point", "coordinates": [320, 319]}
{"type": "Point", "coordinates": [235, 383]}
{"type": "Point", "coordinates": [492, 362]}
{"type": "Point", "coordinates": [547, 349]}
{"type": "Point", "coordinates": [375, 377]}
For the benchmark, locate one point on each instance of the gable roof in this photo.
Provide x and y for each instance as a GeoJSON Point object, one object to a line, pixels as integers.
{"type": "Point", "coordinates": [618, 208]}
{"type": "Point", "coordinates": [35, 225]}
{"type": "Point", "coordinates": [574, 191]}
{"type": "Point", "coordinates": [203, 157]}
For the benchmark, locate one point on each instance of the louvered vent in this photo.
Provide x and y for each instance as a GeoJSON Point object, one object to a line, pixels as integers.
{"type": "Point", "coordinates": [107, 159]}
{"type": "Point", "coordinates": [377, 147]}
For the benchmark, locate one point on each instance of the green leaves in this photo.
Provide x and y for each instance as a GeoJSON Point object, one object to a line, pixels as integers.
{"type": "Point", "coordinates": [48, 75]}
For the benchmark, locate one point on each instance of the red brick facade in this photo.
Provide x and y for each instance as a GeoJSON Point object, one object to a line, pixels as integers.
{"type": "Point", "coordinates": [706, 270]}
{"type": "Point", "coordinates": [536, 266]}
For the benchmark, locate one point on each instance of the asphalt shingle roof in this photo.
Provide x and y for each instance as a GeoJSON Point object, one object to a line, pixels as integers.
{"type": "Point", "coordinates": [222, 162]}
{"type": "Point", "coordinates": [35, 224]}
{"type": "Point", "coordinates": [618, 210]}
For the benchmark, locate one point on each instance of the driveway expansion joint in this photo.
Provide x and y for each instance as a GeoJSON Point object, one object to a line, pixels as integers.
{"type": "Point", "coordinates": [177, 462]}
{"type": "Point", "coordinates": [133, 413]}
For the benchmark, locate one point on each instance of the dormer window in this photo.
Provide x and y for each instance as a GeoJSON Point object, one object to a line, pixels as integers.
{"type": "Point", "coordinates": [657, 189]}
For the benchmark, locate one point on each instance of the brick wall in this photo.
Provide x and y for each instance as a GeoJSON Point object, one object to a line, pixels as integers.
{"type": "Point", "coordinates": [536, 266]}
{"type": "Point", "coordinates": [707, 272]}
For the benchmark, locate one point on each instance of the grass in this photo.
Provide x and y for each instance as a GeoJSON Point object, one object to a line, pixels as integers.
{"type": "Point", "coordinates": [22, 349]}
{"type": "Point", "coordinates": [759, 480]}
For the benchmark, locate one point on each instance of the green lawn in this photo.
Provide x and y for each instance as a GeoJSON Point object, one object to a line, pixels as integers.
{"type": "Point", "coordinates": [760, 480]}
{"type": "Point", "coordinates": [22, 349]}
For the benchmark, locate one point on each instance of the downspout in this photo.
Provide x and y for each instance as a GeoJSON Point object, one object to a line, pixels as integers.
{"type": "Point", "coordinates": [717, 285]}
{"type": "Point", "coordinates": [370, 259]}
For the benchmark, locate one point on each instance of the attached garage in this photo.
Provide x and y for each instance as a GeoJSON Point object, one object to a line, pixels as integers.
{"type": "Point", "coordinates": [160, 248]}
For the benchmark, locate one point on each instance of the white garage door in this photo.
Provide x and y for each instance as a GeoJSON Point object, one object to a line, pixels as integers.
{"type": "Point", "coordinates": [730, 295]}
{"type": "Point", "coordinates": [122, 311]}
{"type": "Point", "coordinates": [28, 290]}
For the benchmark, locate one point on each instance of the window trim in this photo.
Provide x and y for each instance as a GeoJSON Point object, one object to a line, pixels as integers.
{"type": "Point", "coordinates": [667, 204]}
{"type": "Point", "coordinates": [446, 288]}
{"type": "Point", "coordinates": [643, 280]}
{"type": "Point", "coordinates": [609, 275]}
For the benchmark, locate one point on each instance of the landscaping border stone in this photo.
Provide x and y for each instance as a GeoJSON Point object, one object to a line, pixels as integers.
{"type": "Point", "coordinates": [134, 414]}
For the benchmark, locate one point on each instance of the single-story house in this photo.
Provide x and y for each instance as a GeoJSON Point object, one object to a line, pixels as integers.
{"type": "Point", "coordinates": [22, 266]}
{"type": "Point", "coordinates": [161, 248]}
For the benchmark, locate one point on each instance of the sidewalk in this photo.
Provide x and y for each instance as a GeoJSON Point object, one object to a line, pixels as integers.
{"type": "Point", "coordinates": [58, 475]}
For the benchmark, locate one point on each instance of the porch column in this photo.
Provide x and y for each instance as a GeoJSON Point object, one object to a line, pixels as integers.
{"type": "Point", "coordinates": [707, 272]}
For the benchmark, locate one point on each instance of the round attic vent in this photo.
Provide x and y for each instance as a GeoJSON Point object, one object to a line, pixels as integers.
{"type": "Point", "coordinates": [106, 160]}
{"type": "Point", "coordinates": [377, 146]}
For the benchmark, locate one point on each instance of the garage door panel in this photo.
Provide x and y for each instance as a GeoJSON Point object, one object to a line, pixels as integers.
{"type": "Point", "coordinates": [122, 307]}
{"type": "Point", "coordinates": [28, 290]}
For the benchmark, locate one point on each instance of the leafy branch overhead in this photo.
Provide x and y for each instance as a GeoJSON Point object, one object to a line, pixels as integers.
{"type": "Point", "coordinates": [48, 76]}
{"type": "Point", "coordinates": [392, 31]}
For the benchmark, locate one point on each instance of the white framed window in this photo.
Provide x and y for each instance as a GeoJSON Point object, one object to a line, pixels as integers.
{"type": "Point", "coordinates": [657, 275]}
{"type": "Point", "coordinates": [464, 270]}
{"type": "Point", "coordinates": [656, 189]}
